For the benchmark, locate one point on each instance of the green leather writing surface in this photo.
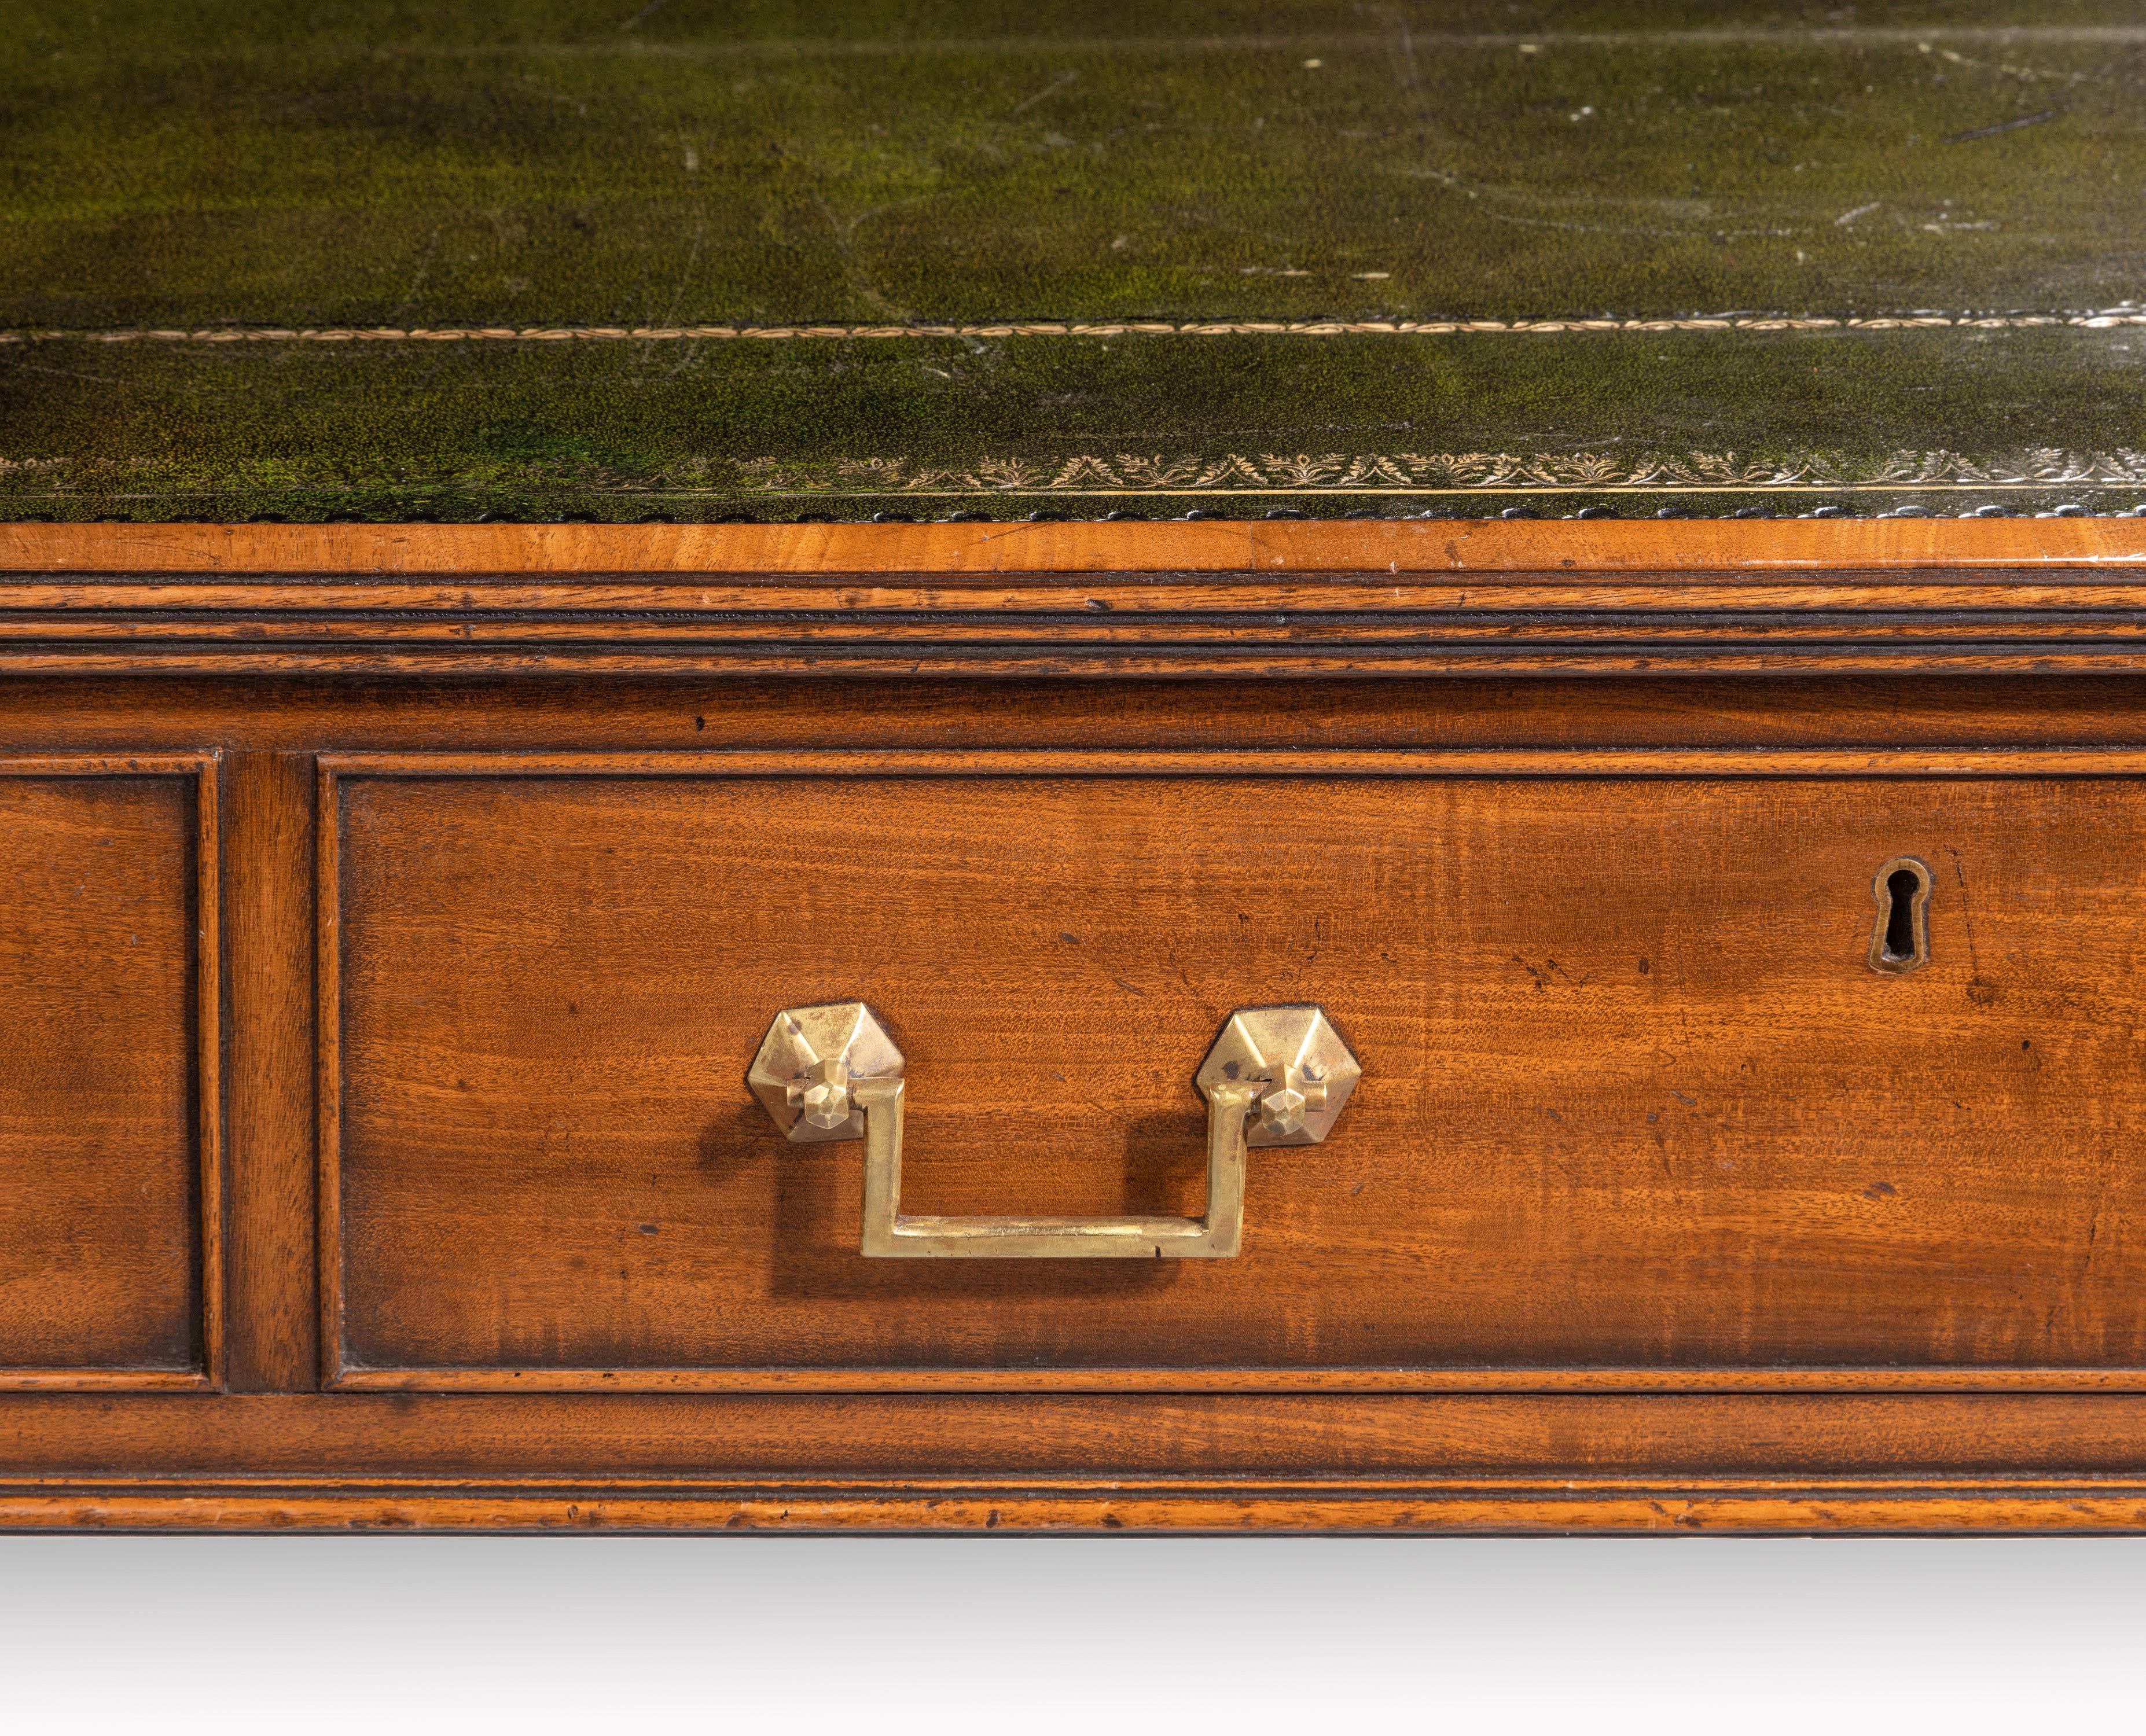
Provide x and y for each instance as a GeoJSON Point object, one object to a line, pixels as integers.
{"type": "Point", "coordinates": [696, 260]}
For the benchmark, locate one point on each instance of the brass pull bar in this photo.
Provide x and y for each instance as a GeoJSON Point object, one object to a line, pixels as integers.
{"type": "Point", "coordinates": [1277, 1075]}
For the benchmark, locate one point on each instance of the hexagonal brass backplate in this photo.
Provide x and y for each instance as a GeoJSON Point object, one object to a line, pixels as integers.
{"type": "Point", "coordinates": [1263, 1042]}
{"type": "Point", "coordinates": [802, 1036]}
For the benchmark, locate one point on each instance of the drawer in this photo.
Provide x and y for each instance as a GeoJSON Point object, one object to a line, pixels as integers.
{"type": "Point", "coordinates": [107, 1045]}
{"type": "Point", "coordinates": [1680, 1067]}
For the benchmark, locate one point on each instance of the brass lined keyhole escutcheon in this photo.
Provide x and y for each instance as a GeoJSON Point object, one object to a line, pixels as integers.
{"type": "Point", "coordinates": [1901, 941]}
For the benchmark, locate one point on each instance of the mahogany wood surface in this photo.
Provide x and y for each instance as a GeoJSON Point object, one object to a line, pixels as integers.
{"type": "Point", "coordinates": [108, 1027]}
{"type": "Point", "coordinates": [579, 551]}
{"type": "Point", "coordinates": [269, 959]}
{"type": "Point", "coordinates": [1222, 601]}
{"type": "Point", "coordinates": [449, 982]}
{"type": "Point", "coordinates": [1338, 1439]}
{"type": "Point", "coordinates": [1632, 1096]}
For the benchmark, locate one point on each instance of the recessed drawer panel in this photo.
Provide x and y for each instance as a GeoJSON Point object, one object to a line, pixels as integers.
{"type": "Point", "coordinates": [1673, 1065]}
{"type": "Point", "coordinates": [107, 1044]}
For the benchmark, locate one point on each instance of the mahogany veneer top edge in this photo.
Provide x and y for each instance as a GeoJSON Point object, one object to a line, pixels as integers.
{"type": "Point", "coordinates": [1215, 547]}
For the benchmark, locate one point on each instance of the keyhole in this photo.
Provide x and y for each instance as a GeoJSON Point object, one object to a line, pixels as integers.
{"type": "Point", "coordinates": [1900, 922]}
{"type": "Point", "coordinates": [1901, 942]}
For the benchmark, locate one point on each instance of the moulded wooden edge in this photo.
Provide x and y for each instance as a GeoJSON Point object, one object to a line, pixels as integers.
{"type": "Point", "coordinates": [1045, 664]}
{"type": "Point", "coordinates": [1605, 1378]}
{"type": "Point", "coordinates": [105, 1380]}
{"type": "Point", "coordinates": [1613, 1505]}
{"type": "Point", "coordinates": [328, 1068]}
{"type": "Point", "coordinates": [208, 1077]}
{"type": "Point", "coordinates": [893, 600]}
{"type": "Point", "coordinates": [1210, 545]}
{"type": "Point", "coordinates": [209, 1066]}
{"type": "Point", "coordinates": [284, 608]}
{"type": "Point", "coordinates": [1497, 762]}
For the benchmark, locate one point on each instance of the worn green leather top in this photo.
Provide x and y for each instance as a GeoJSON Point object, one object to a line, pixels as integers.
{"type": "Point", "coordinates": [699, 259]}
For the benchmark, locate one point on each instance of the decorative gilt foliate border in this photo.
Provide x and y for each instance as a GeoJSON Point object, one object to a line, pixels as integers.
{"type": "Point", "coordinates": [1437, 473]}
{"type": "Point", "coordinates": [1122, 474]}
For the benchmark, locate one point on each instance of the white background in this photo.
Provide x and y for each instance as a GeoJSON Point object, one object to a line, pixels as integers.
{"type": "Point", "coordinates": [1020, 1635]}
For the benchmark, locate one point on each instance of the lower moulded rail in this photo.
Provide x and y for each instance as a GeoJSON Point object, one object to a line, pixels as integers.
{"type": "Point", "coordinates": [1803, 1378]}
{"type": "Point", "coordinates": [1606, 1505]}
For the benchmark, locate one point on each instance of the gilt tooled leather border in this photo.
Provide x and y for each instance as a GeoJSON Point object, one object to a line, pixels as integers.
{"type": "Point", "coordinates": [1453, 417]}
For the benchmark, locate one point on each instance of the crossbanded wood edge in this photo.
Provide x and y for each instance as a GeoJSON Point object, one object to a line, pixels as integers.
{"type": "Point", "coordinates": [1196, 547]}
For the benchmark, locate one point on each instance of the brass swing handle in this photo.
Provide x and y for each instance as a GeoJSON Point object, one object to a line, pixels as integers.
{"type": "Point", "coordinates": [1277, 1075]}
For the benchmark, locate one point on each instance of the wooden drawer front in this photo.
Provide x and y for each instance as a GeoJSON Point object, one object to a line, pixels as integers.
{"type": "Point", "coordinates": [1634, 1101]}
{"type": "Point", "coordinates": [108, 1036]}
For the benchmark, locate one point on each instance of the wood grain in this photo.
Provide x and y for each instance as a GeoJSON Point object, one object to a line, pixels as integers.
{"type": "Point", "coordinates": [1501, 763]}
{"type": "Point", "coordinates": [1748, 1462]}
{"type": "Point", "coordinates": [866, 607]}
{"type": "Point", "coordinates": [260, 713]}
{"type": "Point", "coordinates": [1003, 1439]}
{"type": "Point", "coordinates": [270, 839]}
{"type": "Point", "coordinates": [1538, 1380]}
{"type": "Point", "coordinates": [1975, 658]}
{"type": "Point", "coordinates": [1212, 546]}
{"type": "Point", "coordinates": [1711, 1507]}
{"type": "Point", "coordinates": [110, 1110]}
{"type": "Point", "coordinates": [1588, 1341]}
{"type": "Point", "coordinates": [1633, 1097]}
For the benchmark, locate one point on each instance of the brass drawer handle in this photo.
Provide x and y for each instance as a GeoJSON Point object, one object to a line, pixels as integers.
{"type": "Point", "coordinates": [1277, 1075]}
